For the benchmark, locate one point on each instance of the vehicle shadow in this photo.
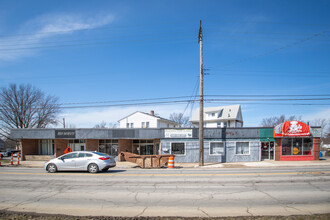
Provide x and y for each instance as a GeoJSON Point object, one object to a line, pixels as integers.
{"type": "Point", "coordinates": [112, 171]}
{"type": "Point", "coordinates": [86, 172]}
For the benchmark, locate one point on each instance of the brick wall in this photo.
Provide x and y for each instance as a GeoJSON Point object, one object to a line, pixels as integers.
{"type": "Point", "coordinates": [92, 144]}
{"type": "Point", "coordinates": [29, 147]}
{"type": "Point", "coordinates": [316, 148]}
{"type": "Point", "coordinates": [125, 146]}
{"type": "Point", "coordinates": [278, 149]}
{"type": "Point", "coordinates": [60, 146]}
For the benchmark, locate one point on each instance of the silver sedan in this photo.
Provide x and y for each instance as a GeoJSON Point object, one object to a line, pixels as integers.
{"type": "Point", "coordinates": [91, 161]}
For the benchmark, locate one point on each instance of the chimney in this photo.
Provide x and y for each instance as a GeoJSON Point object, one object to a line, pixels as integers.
{"type": "Point", "coordinates": [152, 112]}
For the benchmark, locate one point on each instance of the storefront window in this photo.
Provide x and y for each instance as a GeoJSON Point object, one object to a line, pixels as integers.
{"type": "Point", "coordinates": [143, 147]}
{"type": "Point", "coordinates": [178, 148]}
{"type": "Point", "coordinates": [297, 146]}
{"type": "Point", "coordinates": [46, 147]}
{"type": "Point", "coordinates": [77, 141]}
{"type": "Point", "coordinates": [242, 148]}
{"type": "Point", "coordinates": [109, 147]}
{"type": "Point", "coordinates": [308, 146]}
{"type": "Point", "coordinates": [217, 148]}
{"type": "Point", "coordinates": [286, 146]}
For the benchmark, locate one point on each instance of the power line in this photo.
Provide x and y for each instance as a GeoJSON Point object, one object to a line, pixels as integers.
{"type": "Point", "coordinates": [180, 97]}
{"type": "Point", "coordinates": [278, 49]}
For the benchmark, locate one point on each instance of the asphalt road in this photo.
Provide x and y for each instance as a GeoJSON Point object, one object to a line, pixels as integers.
{"type": "Point", "coordinates": [164, 192]}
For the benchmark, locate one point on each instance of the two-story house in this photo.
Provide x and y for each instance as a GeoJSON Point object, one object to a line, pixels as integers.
{"type": "Point", "coordinates": [220, 117]}
{"type": "Point", "coordinates": [144, 120]}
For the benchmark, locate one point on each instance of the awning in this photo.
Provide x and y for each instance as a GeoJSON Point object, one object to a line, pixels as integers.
{"type": "Point", "coordinates": [266, 134]}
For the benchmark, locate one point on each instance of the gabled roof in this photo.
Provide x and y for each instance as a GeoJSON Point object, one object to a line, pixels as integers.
{"type": "Point", "coordinates": [230, 112]}
{"type": "Point", "coordinates": [157, 117]}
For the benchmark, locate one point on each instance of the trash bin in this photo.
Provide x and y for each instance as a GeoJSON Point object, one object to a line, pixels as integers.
{"type": "Point", "coordinates": [321, 155]}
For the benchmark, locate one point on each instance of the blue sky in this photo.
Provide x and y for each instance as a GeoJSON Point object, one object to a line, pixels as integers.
{"type": "Point", "coordinates": [97, 51]}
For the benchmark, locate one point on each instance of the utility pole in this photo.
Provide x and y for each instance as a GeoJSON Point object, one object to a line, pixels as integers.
{"type": "Point", "coordinates": [201, 99]}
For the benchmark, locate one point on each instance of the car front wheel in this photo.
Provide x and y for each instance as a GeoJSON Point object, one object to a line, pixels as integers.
{"type": "Point", "coordinates": [51, 168]}
{"type": "Point", "coordinates": [93, 168]}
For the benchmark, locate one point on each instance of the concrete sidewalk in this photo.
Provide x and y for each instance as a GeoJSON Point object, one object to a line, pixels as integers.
{"type": "Point", "coordinates": [324, 161]}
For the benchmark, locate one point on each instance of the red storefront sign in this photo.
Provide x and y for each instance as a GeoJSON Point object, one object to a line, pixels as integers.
{"type": "Point", "coordinates": [292, 129]}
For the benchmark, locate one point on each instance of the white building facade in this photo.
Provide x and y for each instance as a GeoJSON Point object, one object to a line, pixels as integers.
{"type": "Point", "coordinates": [220, 117]}
{"type": "Point", "coordinates": [144, 120]}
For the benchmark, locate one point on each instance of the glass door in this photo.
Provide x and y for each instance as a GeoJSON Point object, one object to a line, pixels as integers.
{"type": "Point", "coordinates": [271, 150]}
{"type": "Point", "coordinates": [264, 150]}
{"type": "Point", "coordinates": [267, 150]}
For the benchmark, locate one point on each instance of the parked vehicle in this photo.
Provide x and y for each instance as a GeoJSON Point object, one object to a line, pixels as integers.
{"type": "Point", "coordinates": [3, 154]}
{"type": "Point", "coordinates": [90, 161]}
{"type": "Point", "coordinates": [14, 152]}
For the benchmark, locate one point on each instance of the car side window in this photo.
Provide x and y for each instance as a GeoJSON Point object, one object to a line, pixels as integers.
{"type": "Point", "coordinates": [81, 155]}
{"type": "Point", "coordinates": [70, 156]}
{"type": "Point", "coordinates": [89, 155]}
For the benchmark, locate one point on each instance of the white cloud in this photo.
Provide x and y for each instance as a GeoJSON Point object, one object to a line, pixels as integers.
{"type": "Point", "coordinates": [45, 27]}
{"type": "Point", "coordinates": [322, 114]}
{"type": "Point", "coordinates": [90, 117]}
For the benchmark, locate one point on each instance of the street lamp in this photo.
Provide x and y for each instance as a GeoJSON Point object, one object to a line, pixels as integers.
{"type": "Point", "coordinates": [63, 123]}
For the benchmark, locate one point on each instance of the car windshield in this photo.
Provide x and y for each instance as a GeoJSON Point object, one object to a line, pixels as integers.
{"type": "Point", "coordinates": [101, 154]}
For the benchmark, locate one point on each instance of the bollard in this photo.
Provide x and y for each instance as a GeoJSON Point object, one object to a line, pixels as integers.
{"type": "Point", "coordinates": [11, 159]}
{"type": "Point", "coordinates": [171, 162]}
{"type": "Point", "coordinates": [18, 158]}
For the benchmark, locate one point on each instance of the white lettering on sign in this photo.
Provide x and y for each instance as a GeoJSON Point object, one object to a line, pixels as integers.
{"type": "Point", "coordinates": [66, 133]}
{"type": "Point", "coordinates": [178, 133]}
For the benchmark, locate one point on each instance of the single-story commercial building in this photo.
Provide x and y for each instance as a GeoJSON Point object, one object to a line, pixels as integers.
{"type": "Point", "coordinates": [220, 144]}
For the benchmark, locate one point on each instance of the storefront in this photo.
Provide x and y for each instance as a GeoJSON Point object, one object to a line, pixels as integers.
{"type": "Point", "coordinates": [220, 144]}
{"type": "Point", "coordinates": [267, 143]}
{"type": "Point", "coordinates": [296, 141]}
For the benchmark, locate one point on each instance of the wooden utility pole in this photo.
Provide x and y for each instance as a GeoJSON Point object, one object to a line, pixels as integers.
{"type": "Point", "coordinates": [201, 99]}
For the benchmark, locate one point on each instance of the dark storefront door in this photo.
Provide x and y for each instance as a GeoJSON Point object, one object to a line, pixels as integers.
{"type": "Point", "coordinates": [147, 150]}
{"type": "Point", "coordinates": [267, 150]}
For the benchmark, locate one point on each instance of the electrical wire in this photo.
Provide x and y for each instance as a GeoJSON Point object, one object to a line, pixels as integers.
{"type": "Point", "coordinates": [196, 90]}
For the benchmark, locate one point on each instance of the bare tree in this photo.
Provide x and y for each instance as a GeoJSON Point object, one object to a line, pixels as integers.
{"type": "Point", "coordinates": [273, 121]}
{"type": "Point", "coordinates": [103, 124]}
{"type": "Point", "coordinates": [25, 106]}
{"type": "Point", "coordinates": [324, 124]}
{"type": "Point", "coordinates": [179, 118]}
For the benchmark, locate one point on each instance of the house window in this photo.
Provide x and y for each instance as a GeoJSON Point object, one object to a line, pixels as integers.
{"type": "Point", "coordinates": [219, 125]}
{"type": "Point", "coordinates": [217, 148]}
{"type": "Point", "coordinates": [127, 125]}
{"type": "Point", "coordinates": [242, 148]}
{"type": "Point", "coordinates": [178, 148]}
{"type": "Point", "coordinates": [132, 125]}
{"type": "Point", "coordinates": [297, 146]}
{"type": "Point", "coordinates": [143, 124]}
{"type": "Point", "coordinates": [225, 124]}
{"type": "Point", "coordinates": [212, 114]}
{"type": "Point", "coordinates": [147, 124]}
